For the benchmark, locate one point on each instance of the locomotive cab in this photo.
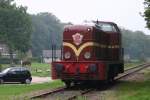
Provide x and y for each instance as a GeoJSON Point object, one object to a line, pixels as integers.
{"type": "Point", "coordinates": [90, 53]}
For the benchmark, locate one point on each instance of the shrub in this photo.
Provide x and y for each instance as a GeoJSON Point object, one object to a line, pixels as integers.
{"type": "Point", "coordinates": [36, 59]}
{"type": "Point", "coordinates": [7, 61]}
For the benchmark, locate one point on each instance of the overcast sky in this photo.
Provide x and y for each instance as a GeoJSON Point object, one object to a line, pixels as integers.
{"type": "Point", "coordinates": [123, 12]}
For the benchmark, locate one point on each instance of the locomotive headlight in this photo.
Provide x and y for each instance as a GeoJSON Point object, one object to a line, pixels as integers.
{"type": "Point", "coordinates": [67, 55]}
{"type": "Point", "coordinates": [87, 55]}
{"type": "Point", "coordinates": [89, 29]}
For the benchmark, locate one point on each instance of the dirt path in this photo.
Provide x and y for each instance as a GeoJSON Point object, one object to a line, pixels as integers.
{"type": "Point", "coordinates": [36, 79]}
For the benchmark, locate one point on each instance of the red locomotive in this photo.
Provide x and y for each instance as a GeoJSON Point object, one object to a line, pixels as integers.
{"type": "Point", "coordinates": [90, 53]}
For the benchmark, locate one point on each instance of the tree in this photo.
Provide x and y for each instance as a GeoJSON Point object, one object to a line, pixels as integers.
{"type": "Point", "coordinates": [136, 44]}
{"type": "Point", "coordinates": [47, 30]}
{"type": "Point", "coordinates": [15, 27]}
{"type": "Point", "coordinates": [147, 12]}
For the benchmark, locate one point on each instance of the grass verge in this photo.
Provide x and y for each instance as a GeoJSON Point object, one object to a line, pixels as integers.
{"type": "Point", "coordinates": [130, 65]}
{"type": "Point", "coordinates": [8, 92]}
{"type": "Point", "coordinates": [134, 91]}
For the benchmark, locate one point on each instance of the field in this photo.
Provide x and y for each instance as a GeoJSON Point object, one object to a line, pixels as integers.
{"type": "Point", "coordinates": [41, 69]}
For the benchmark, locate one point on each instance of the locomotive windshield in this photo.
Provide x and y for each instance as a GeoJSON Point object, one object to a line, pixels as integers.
{"type": "Point", "coordinates": [106, 27]}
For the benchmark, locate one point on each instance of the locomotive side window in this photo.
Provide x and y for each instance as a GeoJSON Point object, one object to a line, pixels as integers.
{"type": "Point", "coordinates": [106, 27]}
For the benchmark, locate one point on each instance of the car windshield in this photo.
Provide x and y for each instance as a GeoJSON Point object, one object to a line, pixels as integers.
{"type": "Point", "coordinates": [6, 70]}
{"type": "Point", "coordinates": [106, 27]}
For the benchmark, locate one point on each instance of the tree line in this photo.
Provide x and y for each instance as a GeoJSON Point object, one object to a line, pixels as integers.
{"type": "Point", "coordinates": [136, 44]}
{"type": "Point", "coordinates": [47, 30]}
{"type": "Point", "coordinates": [22, 31]}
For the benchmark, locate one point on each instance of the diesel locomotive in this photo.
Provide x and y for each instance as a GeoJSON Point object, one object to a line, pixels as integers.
{"type": "Point", "coordinates": [90, 53]}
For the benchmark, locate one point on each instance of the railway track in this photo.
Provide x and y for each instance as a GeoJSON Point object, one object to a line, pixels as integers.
{"type": "Point", "coordinates": [72, 93]}
{"type": "Point", "coordinates": [132, 70]}
{"type": "Point", "coordinates": [45, 93]}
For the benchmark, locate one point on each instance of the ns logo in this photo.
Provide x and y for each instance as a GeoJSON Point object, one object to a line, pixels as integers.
{"type": "Point", "coordinates": [77, 38]}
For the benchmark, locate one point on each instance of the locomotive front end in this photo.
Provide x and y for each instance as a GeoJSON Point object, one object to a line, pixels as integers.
{"type": "Point", "coordinates": [79, 56]}
{"type": "Point", "coordinates": [90, 53]}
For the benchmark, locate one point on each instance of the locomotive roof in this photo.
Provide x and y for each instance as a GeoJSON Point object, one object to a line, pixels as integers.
{"type": "Point", "coordinates": [91, 25]}
{"type": "Point", "coordinates": [74, 27]}
{"type": "Point", "coordinates": [88, 24]}
{"type": "Point", "coordinates": [104, 22]}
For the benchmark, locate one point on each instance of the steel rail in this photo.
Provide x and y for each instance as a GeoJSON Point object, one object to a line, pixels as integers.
{"type": "Point", "coordinates": [82, 93]}
{"type": "Point", "coordinates": [132, 70]}
{"type": "Point", "coordinates": [45, 93]}
{"type": "Point", "coordinates": [136, 66]}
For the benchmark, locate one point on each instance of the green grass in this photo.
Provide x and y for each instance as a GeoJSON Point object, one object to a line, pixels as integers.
{"type": "Point", "coordinates": [9, 91]}
{"type": "Point", "coordinates": [41, 69]}
{"type": "Point", "coordinates": [130, 65]}
{"type": "Point", "coordinates": [134, 91]}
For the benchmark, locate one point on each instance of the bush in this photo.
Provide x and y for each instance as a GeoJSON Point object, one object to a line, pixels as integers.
{"type": "Point", "coordinates": [36, 59]}
{"type": "Point", "coordinates": [7, 61]}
